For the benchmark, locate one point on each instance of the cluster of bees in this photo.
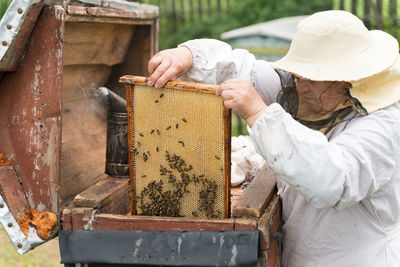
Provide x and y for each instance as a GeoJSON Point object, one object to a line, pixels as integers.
{"type": "Point", "coordinates": [155, 201]}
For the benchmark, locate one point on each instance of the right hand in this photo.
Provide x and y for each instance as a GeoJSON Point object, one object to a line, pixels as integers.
{"type": "Point", "coordinates": [168, 65]}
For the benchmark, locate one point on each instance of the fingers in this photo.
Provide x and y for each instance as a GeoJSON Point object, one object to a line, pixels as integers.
{"type": "Point", "coordinates": [154, 63]}
{"type": "Point", "coordinates": [169, 74]}
{"type": "Point", "coordinates": [159, 71]}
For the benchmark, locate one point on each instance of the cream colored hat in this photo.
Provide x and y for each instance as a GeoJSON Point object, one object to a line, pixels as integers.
{"type": "Point", "coordinates": [336, 46]}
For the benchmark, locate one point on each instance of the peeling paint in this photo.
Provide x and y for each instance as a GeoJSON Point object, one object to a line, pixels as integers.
{"type": "Point", "coordinates": [234, 251]}
{"type": "Point", "coordinates": [41, 207]}
{"type": "Point", "coordinates": [138, 243]}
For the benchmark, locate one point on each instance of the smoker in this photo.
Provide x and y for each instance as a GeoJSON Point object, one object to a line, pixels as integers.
{"type": "Point", "coordinates": [63, 152]}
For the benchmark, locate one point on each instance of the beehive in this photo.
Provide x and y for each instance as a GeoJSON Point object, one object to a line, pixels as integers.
{"type": "Point", "coordinates": [179, 141]}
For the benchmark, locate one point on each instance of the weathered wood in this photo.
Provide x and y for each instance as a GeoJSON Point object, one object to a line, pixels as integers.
{"type": "Point", "coordinates": [109, 12]}
{"type": "Point", "coordinates": [177, 85]}
{"type": "Point", "coordinates": [245, 224]}
{"type": "Point", "coordinates": [66, 219]}
{"type": "Point", "coordinates": [30, 114]}
{"type": "Point", "coordinates": [142, 47]}
{"type": "Point", "coordinates": [11, 191]}
{"type": "Point", "coordinates": [82, 218]}
{"type": "Point", "coordinates": [267, 224]}
{"type": "Point", "coordinates": [149, 223]}
{"type": "Point", "coordinates": [96, 43]}
{"type": "Point", "coordinates": [84, 128]}
{"type": "Point", "coordinates": [118, 205]}
{"type": "Point", "coordinates": [103, 192]}
{"type": "Point", "coordinates": [227, 160]}
{"type": "Point", "coordinates": [256, 196]}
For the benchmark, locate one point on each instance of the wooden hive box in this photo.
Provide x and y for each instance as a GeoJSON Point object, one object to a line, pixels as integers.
{"type": "Point", "coordinates": [52, 152]}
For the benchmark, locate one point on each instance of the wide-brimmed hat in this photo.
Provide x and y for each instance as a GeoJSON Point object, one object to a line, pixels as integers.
{"type": "Point", "coordinates": [336, 46]}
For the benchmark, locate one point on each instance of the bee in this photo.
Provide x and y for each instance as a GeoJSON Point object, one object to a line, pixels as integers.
{"type": "Point", "coordinates": [177, 125]}
{"type": "Point", "coordinates": [133, 150]}
{"type": "Point", "coordinates": [152, 131]}
{"type": "Point", "coordinates": [194, 214]}
{"type": "Point", "coordinates": [145, 157]}
{"type": "Point", "coordinates": [218, 158]}
{"type": "Point", "coordinates": [184, 120]}
{"type": "Point", "coordinates": [169, 127]}
{"type": "Point", "coordinates": [201, 175]}
{"type": "Point", "coordinates": [158, 132]}
{"type": "Point", "coordinates": [157, 149]}
{"type": "Point", "coordinates": [144, 175]}
{"type": "Point", "coordinates": [156, 101]}
{"type": "Point", "coordinates": [141, 134]}
{"type": "Point", "coordinates": [161, 95]}
{"type": "Point", "coordinates": [181, 142]}
{"type": "Point", "coordinates": [139, 144]}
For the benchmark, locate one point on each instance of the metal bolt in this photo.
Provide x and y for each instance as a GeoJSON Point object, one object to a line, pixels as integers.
{"type": "Point", "coordinates": [19, 245]}
{"type": "Point", "coordinates": [9, 224]}
{"type": "Point", "coordinates": [1, 205]}
{"type": "Point", "coordinates": [9, 27]}
{"type": "Point", "coordinates": [4, 43]}
{"type": "Point", "coordinates": [20, 10]}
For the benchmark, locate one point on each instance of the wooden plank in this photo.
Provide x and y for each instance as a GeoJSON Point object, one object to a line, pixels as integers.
{"type": "Point", "coordinates": [143, 46]}
{"type": "Point", "coordinates": [269, 225]}
{"type": "Point", "coordinates": [96, 43]}
{"type": "Point", "coordinates": [12, 192]}
{"type": "Point", "coordinates": [256, 196]}
{"type": "Point", "coordinates": [245, 224]}
{"type": "Point", "coordinates": [178, 85]}
{"type": "Point", "coordinates": [66, 219]}
{"type": "Point", "coordinates": [109, 12]}
{"type": "Point", "coordinates": [103, 192]}
{"type": "Point", "coordinates": [118, 205]}
{"type": "Point", "coordinates": [148, 223]}
{"type": "Point", "coordinates": [227, 160]}
{"type": "Point", "coordinates": [82, 218]}
{"type": "Point", "coordinates": [30, 114]}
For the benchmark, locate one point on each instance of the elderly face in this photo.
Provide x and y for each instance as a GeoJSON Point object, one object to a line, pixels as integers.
{"type": "Point", "coordinates": [322, 96]}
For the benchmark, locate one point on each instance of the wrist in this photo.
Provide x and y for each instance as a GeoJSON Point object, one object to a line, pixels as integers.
{"type": "Point", "coordinates": [253, 117]}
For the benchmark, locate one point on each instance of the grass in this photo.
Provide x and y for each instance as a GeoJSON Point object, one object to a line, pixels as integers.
{"type": "Point", "coordinates": [47, 255]}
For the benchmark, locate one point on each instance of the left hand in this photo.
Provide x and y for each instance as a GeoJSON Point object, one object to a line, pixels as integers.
{"type": "Point", "coordinates": [241, 96]}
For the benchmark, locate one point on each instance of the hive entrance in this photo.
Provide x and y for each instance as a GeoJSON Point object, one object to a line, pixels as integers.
{"type": "Point", "coordinates": [179, 139]}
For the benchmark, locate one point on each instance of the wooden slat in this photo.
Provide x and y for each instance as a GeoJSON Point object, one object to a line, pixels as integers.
{"type": "Point", "coordinates": [103, 192]}
{"type": "Point", "coordinates": [227, 159]}
{"type": "Point", "coordinates": [30, 114]}
{"type": "Point", "coordinates": [269, 225]}
{"type": "Point", "coordinates": [256, 196]}
{"type": "Point", "coordinates": [148, 223]}
{"type": "Point", "coordinates": [96, 43]}
{"type": "Point", "coordinates": [178, 85]}
{"type": "Point", "coordinates": [12, 192]}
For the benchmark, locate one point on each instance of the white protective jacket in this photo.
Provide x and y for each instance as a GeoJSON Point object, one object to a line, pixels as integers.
{"type": "Point", "coordinates": [341, 191]}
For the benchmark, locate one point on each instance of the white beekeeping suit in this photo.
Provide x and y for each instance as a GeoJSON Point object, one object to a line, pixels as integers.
{"type": "Point", "coordinates": [340, 191]}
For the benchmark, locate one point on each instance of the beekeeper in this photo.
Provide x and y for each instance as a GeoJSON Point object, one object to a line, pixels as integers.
{"type": "Point", "coordinates": [326, 118]}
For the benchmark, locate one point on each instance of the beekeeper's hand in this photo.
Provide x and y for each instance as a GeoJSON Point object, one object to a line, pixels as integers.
{"type": "Point", "coordinates": [241, 96]}
{"type": "Point", "coordinates": [168, 65]}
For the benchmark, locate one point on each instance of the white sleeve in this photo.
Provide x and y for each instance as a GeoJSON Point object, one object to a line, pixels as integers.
{"type": "Point", "coordinates": [338, 173]}
{"type": "Point", "coordinates": [215, 62]}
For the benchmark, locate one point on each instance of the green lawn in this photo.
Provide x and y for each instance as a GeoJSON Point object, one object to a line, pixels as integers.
{"type": "Point", "coordinates": [47, 255]}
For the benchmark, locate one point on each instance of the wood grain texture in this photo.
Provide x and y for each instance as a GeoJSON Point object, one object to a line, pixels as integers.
{"type": "Point", "coordinates": [150, 223]}
{"type": "Point", "coordinates": [30, 114]}
{"type": "Point", "coordinates": [179, 85]}
{"type": "Point", "coordinates": [227, 160]}
{"type": "Point", "coordinates": [256, 196]}
{"type": "Point", "coordinates": [103, 192]}
{"type": "Point", "coordinates": [12, 192]}
{"type": "Point", "coordinates": [269, 225]}
{"type": "Point", "coordinates": [96, 43]}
